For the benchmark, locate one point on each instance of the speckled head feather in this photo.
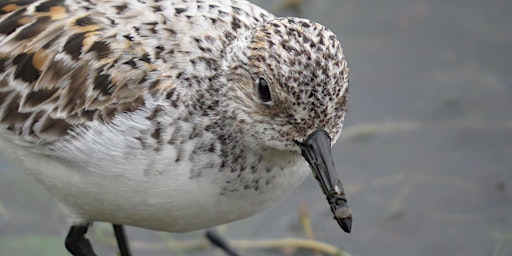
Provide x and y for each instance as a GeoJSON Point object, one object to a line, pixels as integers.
{"type": "Point", "coordinates": [305, 68]}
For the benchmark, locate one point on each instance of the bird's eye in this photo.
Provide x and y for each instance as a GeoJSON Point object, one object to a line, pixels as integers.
{"type": "Point", "coordinates": [263, 90]}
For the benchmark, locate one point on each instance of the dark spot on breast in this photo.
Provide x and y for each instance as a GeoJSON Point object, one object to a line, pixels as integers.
{"type": "Point", "coordinates": [157, 133]}
{"type": "Point", "coordinates": [101, 48]}
{"type": "Point", "coordinates": [74, 98]}
{"type": "Point", "coordinates": [180, 10]}
{"type": "Point", "coordinates": [151, 26]}
{"type": "Point", "coordinates": [185, 118]}
{"type": "Point", "coordinates": [254, 169]}
{"type": "Point", "coordinates": [153, 85]}
{"type": "Point", "coordinates": [25, 70]}
{"type": "Point", "coordinates": [179, 154]}
{"type": "Point", "coordinates": [154, 113]}
{"type": "Point", "coordinates": [222, 13]}
{"type": "Point", "coordinates": [229, 36]}
{"type": "Point", "coordinates": [172, 33]}
{"type": "Point", "coordinates": [157, 8]}
{"type": "Point", "coordinates": [33, 29]}
{"type": "Point", "coordinates": [210, 62]}
{"type": "Point", "coordinates": [2, 64]}
{"type": "Point", "coordinates": [107, 114]}
{"type": "Point", "coordinates": [236, 23]}
{"type": "Point", "coordinates": [158, 50]}
{"type": "Point", "coordinates": [204, 147]}
{"type": "Point", "coordinates": [103, 84]}
{"type": "Point", "coordinates": [35, 98]}
{"type": "Point", "coordinates": [128, 37]}
{"type": "Point", "coordinates": [321, 40]}
{"type": "Point", "coordinates": [131, 63]}
{"type": "Point", "coordinates": [175, 136]}
{"type": "Point", "coordinates": [87, 114]}
{"type": "Point", "coordinates": [10, 24]}
{"type": "Point", "coordinates": [236, 9]}
{"type": "Point", "coordinates": [145, 58]}
{"type": "Point", "coordinates": [141, 142]}
{"type": "Point", "coordinates": [169, 94]}
{"type": "Point", "coordinates": [53, 40]}
{"type": "Point", "coordinates": [195, 133]}
{"type": "Point", "coordinates": [73, 46]}
{"type": "Point", "coordinates": [12, 116]}
{"type": "Point", "coordinates": [54, 127]}
{"type": "Point", "coordinates": [84, 21]}
{"type": "Point", "coordinates": [211, 148]}
{"type": "Point", "coordinates": [35, 119]}
{"type": "Point", "coordinates": [263, 16]}
{"type": "Point", "coordinates": [174, 102]}
{"type": "Point", "coordinates": [120, 8]}
{"type": "Point", "coordinates": [47, 5]}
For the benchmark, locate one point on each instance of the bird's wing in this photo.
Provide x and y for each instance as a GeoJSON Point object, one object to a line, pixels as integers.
{"type": "Point", "coordinates": [64, 63]}
{"type": "Point", "coordinates": [61, 68]}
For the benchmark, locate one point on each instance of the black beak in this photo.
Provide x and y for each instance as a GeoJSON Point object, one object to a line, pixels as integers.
{"type": "Point", "coordinates": [316, 149]}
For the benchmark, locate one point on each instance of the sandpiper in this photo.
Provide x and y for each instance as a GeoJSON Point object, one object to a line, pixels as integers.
{"type": "Point", "coordinates": [168, 115]}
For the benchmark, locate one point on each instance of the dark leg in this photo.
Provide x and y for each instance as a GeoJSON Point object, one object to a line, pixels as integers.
{"type": "Point", "coordinates": [76, 243]}
{"type": "Point", "coordinates": [218, 241]}
{"type": "Point", "coordinates": [122, 242]}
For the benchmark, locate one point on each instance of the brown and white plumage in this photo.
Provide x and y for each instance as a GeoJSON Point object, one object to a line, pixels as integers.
{"type": "Point", "coordinates": [150, 113]}
{"type": "Point", "coordinates": [64, 63]}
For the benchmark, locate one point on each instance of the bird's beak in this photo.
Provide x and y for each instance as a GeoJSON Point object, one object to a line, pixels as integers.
{"type": "Point", "coordinates": [316, 149]}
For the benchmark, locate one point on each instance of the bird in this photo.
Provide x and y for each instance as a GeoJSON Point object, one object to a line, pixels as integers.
{"type": "Point", "coordinates": [173, 115]}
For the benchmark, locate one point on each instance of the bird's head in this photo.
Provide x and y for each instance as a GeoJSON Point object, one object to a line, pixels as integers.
{"type": "Point", "coordinates": [286, 89]}
{"type": "Point", "coordinates": [286, 79]}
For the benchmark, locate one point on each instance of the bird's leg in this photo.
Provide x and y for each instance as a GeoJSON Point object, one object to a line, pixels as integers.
{"type": "Point", "coordinates": [122, 242]}
{"type": "Point", "coordinates": [76, 243]}
{"type": "Point", "coordinates": [221, 243]}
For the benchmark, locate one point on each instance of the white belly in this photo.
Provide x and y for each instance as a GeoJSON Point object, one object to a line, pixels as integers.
{"type": "Point", "coordinates": [167, 201]}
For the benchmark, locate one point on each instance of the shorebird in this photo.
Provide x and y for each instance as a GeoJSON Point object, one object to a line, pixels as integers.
{"type": "Point", "coordinates": [168, 115]}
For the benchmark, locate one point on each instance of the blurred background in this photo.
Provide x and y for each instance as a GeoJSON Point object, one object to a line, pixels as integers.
{"type": "Point", "coordinates": [426, 155]}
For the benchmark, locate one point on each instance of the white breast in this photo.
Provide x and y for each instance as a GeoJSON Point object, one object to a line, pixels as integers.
{"type": "Point", "coordinates": [105, 176]}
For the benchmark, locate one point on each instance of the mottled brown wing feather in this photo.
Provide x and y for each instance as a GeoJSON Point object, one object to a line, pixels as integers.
{"type": "Point", "coordinates": [59, 70]}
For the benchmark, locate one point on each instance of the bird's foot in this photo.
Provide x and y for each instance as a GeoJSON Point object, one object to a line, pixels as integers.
{"type": "Point", "coordinates": [76, 242]}
{"type": "Point", "coordinates": [220, 242]}
{"type": "Point", "coordinates": [122, 241]}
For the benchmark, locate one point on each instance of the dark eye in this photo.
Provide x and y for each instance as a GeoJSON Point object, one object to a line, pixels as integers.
{"type": "Point", "coordinates": [264, 90]}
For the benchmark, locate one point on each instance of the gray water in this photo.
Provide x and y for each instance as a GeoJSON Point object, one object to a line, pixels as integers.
{"type": "Point", "coordinates": [426, 156]}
